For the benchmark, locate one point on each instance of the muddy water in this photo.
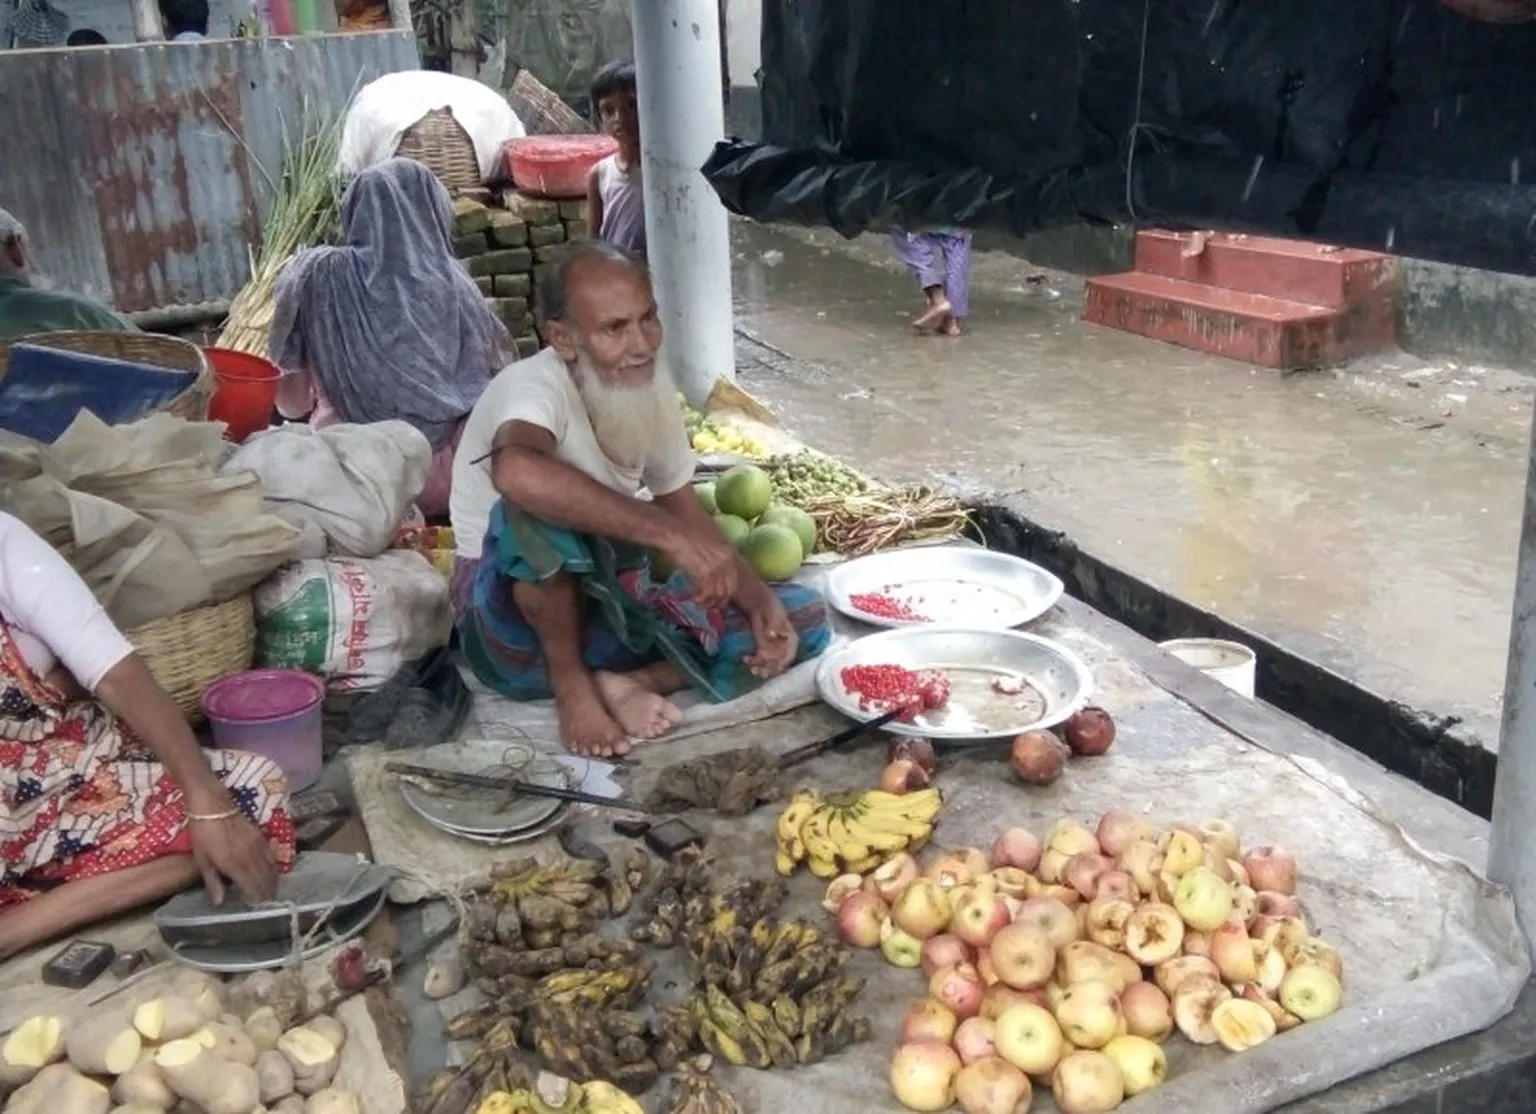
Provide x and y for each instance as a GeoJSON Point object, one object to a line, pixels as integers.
{"type": "Point", "coordinates": [1368, 517]}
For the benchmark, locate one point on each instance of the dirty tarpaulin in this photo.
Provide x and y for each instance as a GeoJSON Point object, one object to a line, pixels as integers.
{"type": "Point", "coordinates": [1389, 130]}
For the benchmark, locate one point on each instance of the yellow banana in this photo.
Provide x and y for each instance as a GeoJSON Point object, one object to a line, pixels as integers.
{"type": "Point", "coordinates": [847, 842]}
{"type": "Point", "coordinates": [791, 819]}
{"type": "Point", "coordinates": [814, 832]}
{"type": "Point", "coordinates": [879, 837]}
{"type": "Point", "coordinates": [600, 1095]}
{"type": "Point", "coordinates": [784, 863]}
{"type": "Point", "coordinates": [864, 865]}
{"type": "Point", "coordinates": [823, 868]}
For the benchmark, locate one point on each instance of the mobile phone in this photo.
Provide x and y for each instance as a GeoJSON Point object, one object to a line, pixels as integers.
{"type": "Point", "coordinates": [78, 964]}
{"type": "Point", "coordinates": [671, 836]}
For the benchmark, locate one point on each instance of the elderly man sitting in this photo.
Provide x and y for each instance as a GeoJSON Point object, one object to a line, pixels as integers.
{"type": "Point", "coordinates": [25, 307]}
{"type": "Point", "coordinates": [562, 598]}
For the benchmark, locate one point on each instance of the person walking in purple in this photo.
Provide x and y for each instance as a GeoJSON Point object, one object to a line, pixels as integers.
{"type": "Point", "coordinates": [940, 260]}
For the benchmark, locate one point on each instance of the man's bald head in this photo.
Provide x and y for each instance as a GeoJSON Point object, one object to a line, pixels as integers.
{"type": "Point", "coordinates": [597, 303]}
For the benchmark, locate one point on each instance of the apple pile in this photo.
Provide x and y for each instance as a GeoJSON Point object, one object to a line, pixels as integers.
{"type": "Point", "coordinates": [1069, 961]}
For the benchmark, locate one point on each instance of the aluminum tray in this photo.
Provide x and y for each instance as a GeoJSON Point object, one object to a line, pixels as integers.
{"type": "Point", "coordinates": [957, 585]}
{"type": "Point", "coordinates": [480, 812]}
{"type": "Point", "coordinates": [1056, 681]}
{"type": "Point", "coordinates": [239, 959]}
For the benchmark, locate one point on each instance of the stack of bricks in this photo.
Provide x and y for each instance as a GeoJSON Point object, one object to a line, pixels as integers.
{"type": "Point", "coordinates": [507, 247]}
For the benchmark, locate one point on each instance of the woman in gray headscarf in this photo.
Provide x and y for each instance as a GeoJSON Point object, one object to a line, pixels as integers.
{"type": "Point", "coordinates": [388, 325]}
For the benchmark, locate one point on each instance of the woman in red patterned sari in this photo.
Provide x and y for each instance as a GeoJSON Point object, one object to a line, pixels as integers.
{"type": "Point", "coordinates": [107, 802]}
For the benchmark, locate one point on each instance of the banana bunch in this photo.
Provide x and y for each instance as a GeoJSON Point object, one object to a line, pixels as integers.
{"type": "Point", "coordinates": [695, 1091]}
{"type": "Point", "coordinates": [852, 833]}
{"type": "Point", "coordinates": [555, 1095]}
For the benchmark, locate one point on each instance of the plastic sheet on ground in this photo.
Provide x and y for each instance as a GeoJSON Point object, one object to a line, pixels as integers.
{"type": "Point", "coordinates": [1388, 130]}
{"type": "Point", "coordinates": [1431, 950]}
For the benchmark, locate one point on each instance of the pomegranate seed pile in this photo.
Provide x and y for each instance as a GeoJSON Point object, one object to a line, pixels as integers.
{"type": "Point", "coordinates": [886, 606]}
{"type": "Point", "coordinates": [882, 687]}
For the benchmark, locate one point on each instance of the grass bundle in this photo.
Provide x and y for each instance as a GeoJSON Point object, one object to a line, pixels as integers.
{"type": "Point", "coordinates": [305, 212]}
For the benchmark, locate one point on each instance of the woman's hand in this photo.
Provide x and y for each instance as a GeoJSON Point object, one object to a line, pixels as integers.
{"type": "Point", "coordinates": [232, 848]}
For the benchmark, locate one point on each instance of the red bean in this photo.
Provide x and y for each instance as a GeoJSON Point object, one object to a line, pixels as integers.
{"type": "Point", "coordinates": [885, 606]}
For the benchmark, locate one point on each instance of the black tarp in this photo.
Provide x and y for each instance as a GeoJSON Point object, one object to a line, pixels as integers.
{"type": "Point", "coordinates": [1389, 124]}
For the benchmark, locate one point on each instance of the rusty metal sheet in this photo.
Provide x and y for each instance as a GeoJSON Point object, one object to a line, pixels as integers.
{"type": "Point", "coordinates": [145, 170]}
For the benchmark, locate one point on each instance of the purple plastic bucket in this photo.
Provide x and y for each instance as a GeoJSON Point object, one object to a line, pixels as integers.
{"type": "Point", "coordinates": [275, 713]}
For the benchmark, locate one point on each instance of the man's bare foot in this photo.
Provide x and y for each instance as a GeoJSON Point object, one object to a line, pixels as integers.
{"type": "Point", "coordinates": [932, 317]}
{"type": "Point", "coordinates": [586, 728]}
{"type": "Point", "coordinates": [639, 711]}
{"type": "Point", "coordinates": [951, 327]}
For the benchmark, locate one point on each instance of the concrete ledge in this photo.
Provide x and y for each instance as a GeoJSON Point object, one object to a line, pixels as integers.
{"type": "Point", "coordinates": [1432, 751]}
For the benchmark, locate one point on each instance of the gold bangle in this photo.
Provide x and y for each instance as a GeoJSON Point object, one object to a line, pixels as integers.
{"type": "Point", "coordinates": [211, 817]}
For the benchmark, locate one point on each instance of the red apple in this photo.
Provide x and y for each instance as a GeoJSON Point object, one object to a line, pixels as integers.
{"type": "Point", "coordinates": [945, 950]}
{"type": "Point", "coordinates": [1082, 873]}
{"type": "Point", "coordinates": [1118, 886]}
{"type": "Point", "coordinates": [1011, 881]}
{"type": "Point", "coordinates": [992, 1086]}
{"type": "Point", "coordinates": [1269, 903]}
{"type": "Point", "coordinates": [959, 988]}
{"type": "Point", "coordinates": [839, 890]}
{"type": "Point", "coordinates": [974, 1039]}
{"type": "Point", "coordinates": [903, 776]}
{"type": "Point", "coordinates": [1118, 829]}
{"type": "Point", "coordinates": [1038, 757]}
{"type": "Point", "coordinates": [978, 917]}
{"type": "Point", "coordinates": [1018, 848]}
{"type": "Point", "coordinates": [1089, 732]}
{"type": "Point", "coordinates": [1050, 917]}
{"type": "Point", "coordinates": [923, 1076]}
{"type": "Point", "coordinates": [1271, 869]}
{"type": "Point", "coordinates": [859, 919]}
{"type": "Point", "coordinates": [922, 909]}
{"type": "Point", "coordinates": [1001, 997]}
{"type": "Point", "coordinates": [949, 872]}
{"type": "Point", "coordinates": [928, 1021]}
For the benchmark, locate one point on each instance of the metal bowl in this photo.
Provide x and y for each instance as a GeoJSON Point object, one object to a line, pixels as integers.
{"type": "Point", "coordinates": [959, 585]}
{"type": "Point", "coordinates": [977, 663]}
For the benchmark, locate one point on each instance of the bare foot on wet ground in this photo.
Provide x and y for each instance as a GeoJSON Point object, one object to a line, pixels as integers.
{"type": "Point", "coordinates": [934, 316]}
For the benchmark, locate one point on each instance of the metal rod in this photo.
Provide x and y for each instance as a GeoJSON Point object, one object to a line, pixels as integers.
{"type": "Point", "coordinates": [688, 236]}
{"type": "Point", "coordinates": [508, 785]}
{"type": "Point", "coordinates": [811, 750]}
{"type": "Point", "coordinates": [1511, 851]}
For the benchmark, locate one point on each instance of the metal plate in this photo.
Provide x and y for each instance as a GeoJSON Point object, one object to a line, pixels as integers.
{"type": "Point", "coordinates": [1056, 681]}
{"type": "Point", "coordinates": [480, 812]}
{"type": "Point", "coordinates": [956, 585]}
{"type": "Point", "coordinates": [237, 959]}
{"type": "Point", "coordinates": [319, 880]}
{"type": "Point", "coordinates": [523, 836]}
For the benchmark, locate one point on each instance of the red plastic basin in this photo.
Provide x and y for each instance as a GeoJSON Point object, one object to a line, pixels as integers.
{"type": "Point", "coordinates": [556, 165]}
{"type": "Point", "coordinates": [245, 391]}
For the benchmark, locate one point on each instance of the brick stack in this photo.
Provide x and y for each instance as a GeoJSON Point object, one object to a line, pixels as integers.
{"type": "Point", "coordinates": [507, 247]}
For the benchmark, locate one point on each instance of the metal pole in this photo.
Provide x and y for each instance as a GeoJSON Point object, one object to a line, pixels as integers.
{"type": "Point", "coordinates": [677, 71]}
{"type": "Point", "coordinates": [1511, 849]}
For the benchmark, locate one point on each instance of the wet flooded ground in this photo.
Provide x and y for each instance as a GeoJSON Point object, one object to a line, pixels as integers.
{"type": "Point", "coordinates": [1366, 517]}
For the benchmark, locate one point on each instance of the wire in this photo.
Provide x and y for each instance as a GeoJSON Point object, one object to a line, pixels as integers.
{"type": "Point", "coordinates": [1136, 124]}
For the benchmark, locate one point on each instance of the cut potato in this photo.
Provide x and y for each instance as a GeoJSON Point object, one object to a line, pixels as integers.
{"type": "Point", "coordinates": [31, 1046]}
{"type": "Point", "coordinates": [275, 1074]}
{"type": "Point", "coordinates": [230, 1043]}
{"type": "Point", "coordinates": [104, 1044]}
{"type": "Point", "coordinates": [136, 1108]}
{"type": "Point", "coordinates": [333, 1100]}
{"type": "Point", "coordinates": [168, 1019]}
{"type": "Point", "coordinates": [202, 990]}
{"type": "Point", "coordinates": [142, 1085]}
{"type": "Point", "coordinates": [219, 1086]}
{"type": "Point", "coordinates": [263, 1027]}
{"type": "Point", "coordinates": [313, 1058]}
{"type": "Point", "coordinates": [60, 1089]}
{"type": "Point", "coordinates": [293, 1104]}
{"type": "Point", "coordinates": [329, 1028]}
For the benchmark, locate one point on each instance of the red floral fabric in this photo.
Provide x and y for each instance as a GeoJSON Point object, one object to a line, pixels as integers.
{"type": "Point", "coordinates": [80, 796]}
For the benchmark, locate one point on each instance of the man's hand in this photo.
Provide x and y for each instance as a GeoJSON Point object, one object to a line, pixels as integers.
{"type": "Point", "coordinates": [777, 642]}
{"type": "Point", "coordinates": [708, 559]}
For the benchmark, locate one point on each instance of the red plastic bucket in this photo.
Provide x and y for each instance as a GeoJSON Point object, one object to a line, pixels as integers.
{"type": "Point", "coordinates": [245, 391]}
{"type": "Point", "coordinates": [556, 165]}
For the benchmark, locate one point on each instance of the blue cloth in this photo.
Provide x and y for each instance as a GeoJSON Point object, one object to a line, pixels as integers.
{"type": "Point", "coordinates": [44, 388]}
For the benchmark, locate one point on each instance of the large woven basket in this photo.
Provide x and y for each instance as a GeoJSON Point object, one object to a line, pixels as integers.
{"type": "Point", "coordinates": [148, 349]}
{"type": "Point", "coordinates": [190, 651]}
{"type": "Point", "coordinates": [441, 143]}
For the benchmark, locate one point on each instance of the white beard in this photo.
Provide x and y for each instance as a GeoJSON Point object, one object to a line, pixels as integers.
{"type": "Point", "coordinates": [627, 421]}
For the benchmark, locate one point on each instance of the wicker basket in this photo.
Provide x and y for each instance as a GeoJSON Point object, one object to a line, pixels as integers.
{"type": "Point", "coordinates": [190, 651]}
{"type": "Point", "coordinates": [439, 142]}
{"type": "Point", "coordinates": [148, 349]}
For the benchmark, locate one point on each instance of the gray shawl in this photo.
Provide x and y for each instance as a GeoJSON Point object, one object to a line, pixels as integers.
{"type": "Point", "coordinates": [389, 322]}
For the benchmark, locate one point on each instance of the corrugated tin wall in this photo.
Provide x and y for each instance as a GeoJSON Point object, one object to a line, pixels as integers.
{"type": "Point", "coordinates": [141, 172]}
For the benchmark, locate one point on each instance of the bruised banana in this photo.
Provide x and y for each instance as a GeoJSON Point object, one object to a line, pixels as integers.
{"type": "Point", "coordinates": [601, 1097]}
